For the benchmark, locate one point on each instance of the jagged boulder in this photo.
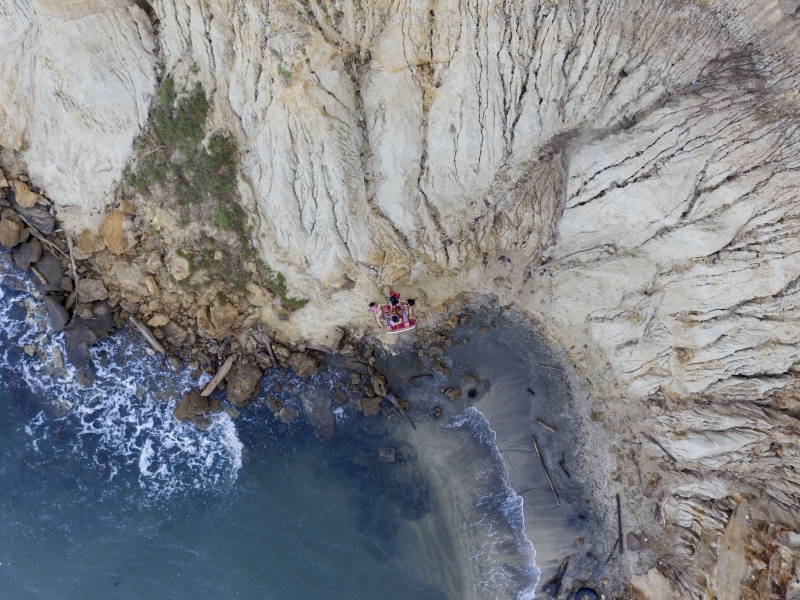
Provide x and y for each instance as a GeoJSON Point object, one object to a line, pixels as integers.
{"type": "Point", "coordinates": [242, 382]}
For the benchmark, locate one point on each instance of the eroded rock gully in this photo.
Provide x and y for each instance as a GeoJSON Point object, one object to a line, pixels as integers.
{"type": "Point", "coordinates": [624, 171]}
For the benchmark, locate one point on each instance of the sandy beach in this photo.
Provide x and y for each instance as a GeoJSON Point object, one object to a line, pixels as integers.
{"type": "Point", "coordinates": [520, 381]}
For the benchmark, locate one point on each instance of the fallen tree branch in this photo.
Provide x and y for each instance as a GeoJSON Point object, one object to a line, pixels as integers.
{"type": "Point", "coordinates": [544, 468]}
{"type": "Point", "coordinates": [549, 428]}
{"type": "Point", "coordinates": [148, 336]}
{"type": "Point", "coordinates": [212, 385]}
{"type": "Point", "coordinates": [390, 397]}
{"type": "Point", "coordinates": [664, 450]}
{"type": "Point", "coordinates": [41, 238]}
{"type": "Point", "coordinates": [72, 260]}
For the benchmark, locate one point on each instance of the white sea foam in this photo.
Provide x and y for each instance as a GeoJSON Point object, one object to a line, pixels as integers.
{"type": "Point", "coordinates": [118, 425]}
{"type": "Point", "coordinates": [498, 512]}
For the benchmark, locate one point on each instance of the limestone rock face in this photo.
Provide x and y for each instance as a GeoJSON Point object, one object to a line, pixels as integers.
{"type": "Point", "coordinates": [75, 83]}
{"type": "Point", "coordinates": [626, 171]}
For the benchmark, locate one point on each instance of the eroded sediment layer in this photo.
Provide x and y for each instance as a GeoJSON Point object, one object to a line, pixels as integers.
{"type": "Point", "coordinates": [624, 171]}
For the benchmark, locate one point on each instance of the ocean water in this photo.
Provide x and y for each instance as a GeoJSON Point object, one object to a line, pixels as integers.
{"type": "Point", "coordinates": [103, 494]}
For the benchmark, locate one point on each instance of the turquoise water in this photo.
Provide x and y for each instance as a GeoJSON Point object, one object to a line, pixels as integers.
{"type": "Point", "coordinates": [103, 494]}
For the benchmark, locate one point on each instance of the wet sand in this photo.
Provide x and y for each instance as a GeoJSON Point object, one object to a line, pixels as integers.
{"type": "Point", "coordinates": [513, 359]}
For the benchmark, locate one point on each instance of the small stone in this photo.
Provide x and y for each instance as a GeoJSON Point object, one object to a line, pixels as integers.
{"type": "Point", "coordinates": [222, 317]}
{"type": "Point", "coordinates": [435, 350]}
{"type": "Point", "coordinates": [483, 330]}
{"type": "Point", "coordinates": [129, 307]}
{"type": "Point", "coordinates": [633, 542]}
{"type": "Point", "coordinates": [369, 391]}
{"type": "Point", "coordinates": [84, 377]}
{"type": "Point", "coordinates": [59, 316]}
{"type": "Point", "coordinates": [90, 290]}
{"type": "Point", "coordinates": [118, 232]}
{"type": "Point", "coordinates": [29, 349]}
{"type": "Point", "coordinates": [289, 413]}
{"type": "Point", "coordinates": [379, 385]}
{"type": "Point", "coordinates": [303, 365]}
{"type": "Point", "coordinates": [177, 363]}
{"type": "Point", "coordinates": [242, 380]}
{"type": "Point", "coordinates": [58, 359]}
{"type": "Point", "coordinates": [158, 320]}
{"type": "Point", "coordinates": [9, 233]}
{"type": "Point", "coordinates": [442, 369]}
{"type": "Point", "coordinates": [25, 197]}
{"type": "Point", "coordinates": [453, 393]}
{"type": "Point", "coordinates": [340, 397]}
{"type": "Point", "coordinates": [370, 406]}
{"type": "Point", "coordinates": [149, 351]}
{"type": "Point", "coordinates": [258, 296]}
{"type": "Point", "coordinates": [178, 266]}
{"type": "Point", "coordinates": [471, 378]}
{"type": "Point", "coordinates": [355, 378]}
{"type": "Point", "coordinates": [273, 403]}
{"type": "Point", "coordinates": [175, 334]}
{"type": "Point", "coordinates": [66, 284]}
{"type": "Point", "coordinates": [386, 455]}
{"type": "Point", "coordinates": [436, 412]}
{"type": "Point", "coordinates": [88, 243]}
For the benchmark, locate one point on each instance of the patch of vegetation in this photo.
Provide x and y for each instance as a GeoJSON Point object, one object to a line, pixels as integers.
{"type": "Point", "coordinates": [285, 73]}
{"type": "Point", "coordinates": [203, 179]}
{"type": "Point", "coordinates": [276, 283]}
{"type": "Point", "coordinates": [172, 152]}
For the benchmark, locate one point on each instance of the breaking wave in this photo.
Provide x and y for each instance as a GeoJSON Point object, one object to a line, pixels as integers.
{"type": "Point", "coordinates": [122, 425]}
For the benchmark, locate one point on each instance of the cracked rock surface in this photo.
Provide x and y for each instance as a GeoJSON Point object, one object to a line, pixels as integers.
{"type": "Point", "coordinates": [625, 171]}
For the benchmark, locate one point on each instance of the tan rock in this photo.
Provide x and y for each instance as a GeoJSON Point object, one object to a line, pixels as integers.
{"type": "Point", "coordinates": [204, 325]}
{"type": "Point", "coordinates": [178, 266]}
{"type": "Point", "coordinates": [3, 182]}
{"type": "Point", "coordinates": [303, 365]}
{"type": "Point", "coordinates": [9, 233]}
{"type": "Point", "coordinates": [90, 242]}
{"type": "Point", "coordinates": [223, 317]}
{"type": "Point", "coordinates": [152, 286]}
{"type": "Point", "coordinates": [653, 586]}
{"type": "Point", "coordinates": [27, 198]}
{"type": "Point", "coordinates": [118, 232]}
{"type": "Point", "coordinates": [371, 406]}
{"type": "Point", "coordinates": [175, 334]}
{"type": "Point", "coordinates": [258, 296]}
{"type": "Point", "coordinates": [90, 290]}
{"type": "Point", "coordinates": [158, 320]}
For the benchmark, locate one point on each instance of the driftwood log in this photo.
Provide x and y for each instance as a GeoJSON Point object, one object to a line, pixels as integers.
{"type": "Point", "coordinates": [544, 468]}
{"type": "Point", "coordinates": [148, 336]}
{"type": "Point", "coordinates": [223, 370]}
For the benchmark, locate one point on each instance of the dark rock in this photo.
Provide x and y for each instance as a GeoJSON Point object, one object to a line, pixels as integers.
{"type": "Point", "coordinates": [202, 422]}
{"type": "Point", "coordinates": [28, 253]}
{"type": "Point", "coordinates": [379, 385]}
{"type": "Point", "coordinates": [192, 405]}
{"type": "Point", "coordinates": [50, 268]}
{"type": "Point", "coordinates": [81, 333]}
{"type": "Point", "coordinates": [15, 283]}
{"type": "Point", "coordinates": [38, 216]}
{"type": "Point", "coordinates": [436, 412]}
{"type": "Point", "coordinates": [442, 369]}
{"type": "Point", "coordinates": [340, 397]}
{"type": "Point", "coordinates": [633, 542]}
{"type": "Point", "coordinates": [176, 363]}
{"type": "Point", "coordinates": [59, 316]}
{"type": "Point", "coordinates": [273, 403]}
{"type": "Point", "coordinates": [85, 377]}
{"type": "Point", "coordinates": [303, 365]}
{"type": "Point", "coordinates": [317, 406]}
{"type": "Point", "coordinates": [66, 284]}
{"type": "Point", "coordinates": [386, 454]}
{"type": "Point", "coordinates": [453, 393]}
{"type": "Point", "coordinates": [242, 381]}
{"type": "Point", "coordinates": [289, 413]}
{"type": "Point", "coordinates": [370, 406]}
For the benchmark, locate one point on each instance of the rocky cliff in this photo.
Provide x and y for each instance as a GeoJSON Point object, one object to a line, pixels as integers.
{"type": "Point", "coordinates": [626, 171]}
